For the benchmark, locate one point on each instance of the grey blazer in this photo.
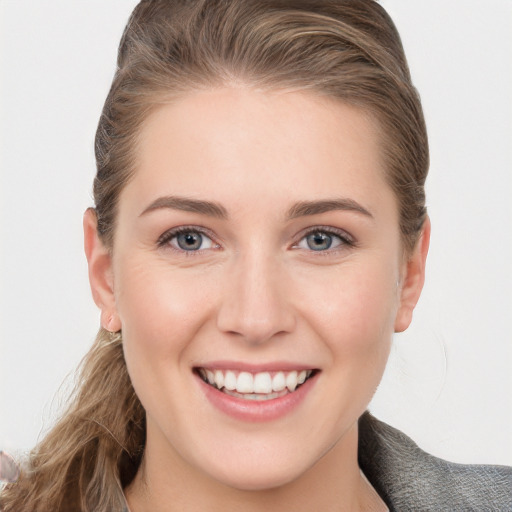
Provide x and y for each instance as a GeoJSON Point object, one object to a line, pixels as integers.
{"type": "Point", "coordinates": [408, 479]}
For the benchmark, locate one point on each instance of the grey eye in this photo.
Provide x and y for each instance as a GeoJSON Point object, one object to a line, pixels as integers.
{"type": "Point", "coordinates": [319, 241]}
{"type": "Point", "coordinates": [191, 241]}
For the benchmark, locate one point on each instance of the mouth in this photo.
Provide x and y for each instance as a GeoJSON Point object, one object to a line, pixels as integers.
{"type": "Point", "coordinates": [258, 386]}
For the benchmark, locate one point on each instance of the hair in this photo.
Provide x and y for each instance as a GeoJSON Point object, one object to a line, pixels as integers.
{"type": "Point", "coordinates": [344, 49]}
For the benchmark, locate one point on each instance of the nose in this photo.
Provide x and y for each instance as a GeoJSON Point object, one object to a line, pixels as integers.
{"type": "Point", "coordinates": [256, 304]}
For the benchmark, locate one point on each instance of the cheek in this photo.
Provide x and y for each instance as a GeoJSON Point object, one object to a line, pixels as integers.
{"type": "Point", "coordinates": [160, 308]}
{"type": "Point", "coordinates": [353, 310]}
{"type": "Point", "coordinates": [161, 311]}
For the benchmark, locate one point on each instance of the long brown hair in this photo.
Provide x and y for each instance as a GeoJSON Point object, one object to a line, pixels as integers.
{"type": "Point", "coordinates": [347, 49]}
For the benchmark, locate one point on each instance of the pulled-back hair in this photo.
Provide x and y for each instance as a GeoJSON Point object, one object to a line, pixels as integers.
{"type": "Point", "coordinates": [345, 49]}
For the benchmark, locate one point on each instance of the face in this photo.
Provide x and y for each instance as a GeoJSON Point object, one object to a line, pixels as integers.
{"type": "Point", "coordinates": [257, 275]}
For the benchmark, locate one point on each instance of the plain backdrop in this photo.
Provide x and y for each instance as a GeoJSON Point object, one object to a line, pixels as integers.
{"type": "Point", "coordinates": [449, 381]}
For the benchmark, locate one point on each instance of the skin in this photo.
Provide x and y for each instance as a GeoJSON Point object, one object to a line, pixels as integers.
{"type": "Point", "coordinates": [256, 294]}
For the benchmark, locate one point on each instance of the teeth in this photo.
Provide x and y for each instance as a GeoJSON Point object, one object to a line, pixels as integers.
{"type": "Point", "coordinates": [262, 383]}
{"type": "Point", "coordinates": [230, 381]}
{"type": "Point", "coordinates": [255, 386]}
{"type": "Point", "coordinates": [279, 381]}
{"type": "Point", "coordinates": [219, 379]}
{"type": "Point", "coordinates": [291, 381]}
{"type": "Point", "coordinates": [254, 396]}
{"type": "Point", "coordinates": [245, 383]}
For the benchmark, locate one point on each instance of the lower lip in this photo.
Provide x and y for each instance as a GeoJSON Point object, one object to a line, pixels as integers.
{"type": "Point", "coordinates": [254, 410]}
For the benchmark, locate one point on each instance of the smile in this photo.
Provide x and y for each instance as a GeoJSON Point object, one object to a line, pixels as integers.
{"type": "Point", "coordinates": [259, 386]}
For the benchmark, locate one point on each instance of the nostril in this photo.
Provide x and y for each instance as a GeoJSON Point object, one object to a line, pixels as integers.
{"type": "Point", "coordinates": [257, 330]}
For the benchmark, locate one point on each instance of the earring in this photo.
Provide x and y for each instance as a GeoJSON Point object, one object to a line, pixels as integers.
{"type": "Point", "coordinates": [110, 321]}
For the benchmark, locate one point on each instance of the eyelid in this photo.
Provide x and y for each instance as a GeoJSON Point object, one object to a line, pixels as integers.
{"type": "Point", "coordinates": [347, 239]}
{"type": "Point", "coordinates": [164, 238]}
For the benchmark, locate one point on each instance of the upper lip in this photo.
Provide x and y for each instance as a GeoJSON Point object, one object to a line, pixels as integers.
{"type": "Point", "coordinates": [273, 366]}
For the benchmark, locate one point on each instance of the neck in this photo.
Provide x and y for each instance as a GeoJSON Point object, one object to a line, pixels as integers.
{"type": "Point", "coordinates": [334, 483]}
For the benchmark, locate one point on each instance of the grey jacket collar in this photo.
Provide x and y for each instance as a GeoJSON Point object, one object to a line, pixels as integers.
{"type": "Point", "coordinates": [408, 479]}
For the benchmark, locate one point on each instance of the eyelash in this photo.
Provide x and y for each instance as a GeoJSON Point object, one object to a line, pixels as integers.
{"type": "Point", "coordinates": [165, 238]}
{"type": "Point", "coordinates": [346, 240]}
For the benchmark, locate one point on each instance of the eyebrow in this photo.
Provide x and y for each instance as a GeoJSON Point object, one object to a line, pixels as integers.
{"type": "Point", "coordinates": [304, 208]}
{"type": "Point", "coordinates": [187, 204]}
{"type": "Point", "coordinates": [213, 209]}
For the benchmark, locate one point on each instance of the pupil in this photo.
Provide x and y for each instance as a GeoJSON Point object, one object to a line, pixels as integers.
{"type": "Point", "coordinates": [319, 241]}
{"type": "Point", "coordinates": [189, 241]}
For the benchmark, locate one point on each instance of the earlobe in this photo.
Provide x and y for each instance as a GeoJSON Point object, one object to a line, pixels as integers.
{"type": "Point", "coordinates": [99, 261]}
{"type": "Point", "coordinates": [413, 279]}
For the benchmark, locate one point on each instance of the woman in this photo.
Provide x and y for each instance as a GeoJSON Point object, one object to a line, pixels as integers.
{"type": "Point", "coordinates": [259, 234]}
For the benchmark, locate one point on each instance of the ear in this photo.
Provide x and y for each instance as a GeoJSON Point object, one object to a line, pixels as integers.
{"type": "Point", "coordinates": [413, 277]}
{"type": "Point", "coordinates": [101, 279]}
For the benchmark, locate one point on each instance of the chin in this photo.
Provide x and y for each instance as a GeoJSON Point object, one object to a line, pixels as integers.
{"type": "Point", "coordinates": [258, 481]}
{"type": "Point", "coordinates": [257, 475]}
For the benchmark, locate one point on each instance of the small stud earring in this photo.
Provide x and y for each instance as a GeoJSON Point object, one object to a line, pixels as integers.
{"type": "Point", "coordinates": [110, 323]}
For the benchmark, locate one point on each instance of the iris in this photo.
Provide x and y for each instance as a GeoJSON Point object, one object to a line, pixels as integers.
{"type": "Point", "coordinates": [189, 241]}
{"type": "Point", "coordinates": [319, 241]}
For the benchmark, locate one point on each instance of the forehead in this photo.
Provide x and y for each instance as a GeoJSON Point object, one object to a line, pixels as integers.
{"type": "Point", "coordinates": [241, 143]}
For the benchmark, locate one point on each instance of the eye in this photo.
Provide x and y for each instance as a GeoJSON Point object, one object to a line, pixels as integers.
{"type": "Point", "coordinates": [186, 239]}
{"type": "Point", "coordinates": [322, 240]}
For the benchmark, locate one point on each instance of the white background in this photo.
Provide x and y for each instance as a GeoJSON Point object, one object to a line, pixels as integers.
{"type": "Point", "coordinates": [449, 380]}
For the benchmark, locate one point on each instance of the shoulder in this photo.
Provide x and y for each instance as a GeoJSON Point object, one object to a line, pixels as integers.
{"type": "Point", "coordinates": [408, 478]}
